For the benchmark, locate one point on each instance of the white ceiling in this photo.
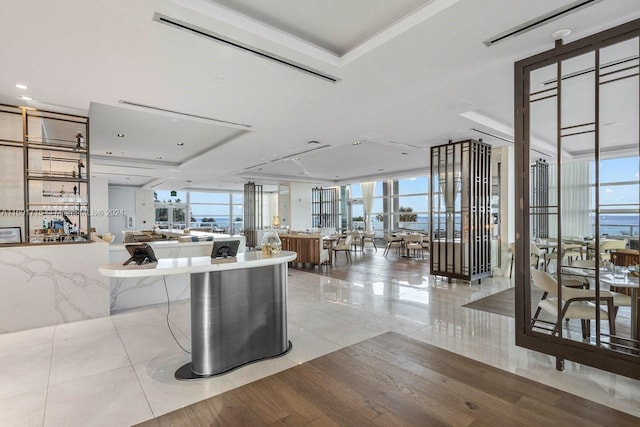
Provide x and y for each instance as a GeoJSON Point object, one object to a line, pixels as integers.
{"type": "Point", "coordinates": [406, 72]}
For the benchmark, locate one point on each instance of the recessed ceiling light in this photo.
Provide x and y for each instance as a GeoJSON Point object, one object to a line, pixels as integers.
{"type": "Point", "coordinates": [26, 98]}
{"type": "Point", "coordinates": [561, 34]}
{"type": "Point", "coordinates": [404, 153]}
{"type": "Point", "coordinates": [357, 143]}
{"type": "Point", "coordinates": [296, 158]}
{"type": "Point", "coordinates": [120, 135]}
{"type": "Point", "coordinates": [259, 169]}
{"type": "Point", "coordinates": [109, 152]}
{"type": "Point", "coordinates": [313, 142]}
{"type": "Point", "coordinates": [159, 157]}
{"type": "Point", "coordinates": [180, 144]}
{"type": "Point", "coordinates": [188, 181]}
{"type": "Point", "coordinates": [21, 86]}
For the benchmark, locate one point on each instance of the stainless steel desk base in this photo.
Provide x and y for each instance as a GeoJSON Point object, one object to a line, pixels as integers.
{"type": "Point", "coordinates": [185, 372]}
{"type": "Point", "coordinates": [237, 317]}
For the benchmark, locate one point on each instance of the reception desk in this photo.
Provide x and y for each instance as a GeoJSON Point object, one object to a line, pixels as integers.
{"type": "Point", "coordinates": [238, 308]}
{"type": "Point", "coordinates": [133, 292]}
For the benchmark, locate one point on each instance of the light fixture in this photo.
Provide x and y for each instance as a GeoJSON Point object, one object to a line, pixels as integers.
{"type": "Point", "coordinates": [109, 152]}
{"type": "Point", "coordinates": [357, 143]}
{"type": "Point", "coordinates": [188, 181]}
{"type": "Point", "coordinates": [21, 86]}
{"type": "Point", "coordinates": [404, 153]}
{"type": "Point", "coordinates": [313, 142]}
{"type": "Point", "coordinates": [296, 158]}
{"type": "Point", "coordinates": [561, 34]}
{"type": "Point", "coordinates": [380, 170]}
{"type": "Point", "coordinates": [26, 98]}
{"type": "Point", "coordinates": [159, 157]}
{"type": "Point", "coordinates": [180, 144]}
{"type": "Point", "coordinates": [120, 135]}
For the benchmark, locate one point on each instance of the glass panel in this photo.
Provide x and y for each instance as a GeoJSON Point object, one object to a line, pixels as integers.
{"type": "Point", "coordinates": [179, 218]}
{"type": "Point", "coordinates": [210, 197]}
{"type": "Point", "coordinates": [417, 185]}
{"type": "Point", "coordinates": [165, 196]}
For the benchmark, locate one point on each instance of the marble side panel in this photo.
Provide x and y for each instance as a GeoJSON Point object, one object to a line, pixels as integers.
{"type": "Point", "coordinates": [49, 285]}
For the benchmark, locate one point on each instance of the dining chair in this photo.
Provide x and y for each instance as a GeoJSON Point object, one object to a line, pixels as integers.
{"type": "Point", "coordinates": [343, 246]}
{"type": "Point", "coordinates": [537, 255]}
{"type": "Point", "coordinates": [413, 242]}
{"type": "Point", "coordinates": [576, 304]}
{"type": "Point", "coordinates": [426, 244]}
{"type": "Point", "coordinates": [391, 242]}
{"type": "Point", "coordinates": [369, 237]}
{"type": "Point", "coordinates": [620, 297]}
{"type": "Point", "coordinates": [356, 240]}
{"type": "Point", "coordinates": [610, 245]}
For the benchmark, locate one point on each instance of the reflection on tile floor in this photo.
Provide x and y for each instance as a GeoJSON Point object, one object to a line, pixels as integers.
{"type": "Point", "coordinates": [118, 371]}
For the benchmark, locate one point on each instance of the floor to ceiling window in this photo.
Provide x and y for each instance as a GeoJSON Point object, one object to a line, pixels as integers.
{"type": "Point", "coordinates": [410, 202]}
{"type": "Point", "coordinates": [222, 211]}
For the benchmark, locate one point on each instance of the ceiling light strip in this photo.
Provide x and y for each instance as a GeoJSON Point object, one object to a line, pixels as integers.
{"type": "Point", "coordinates": [540, 20]}
{"type": "Point", "coordinates": [241, 46]}
{"type": "Point", "coordinates": [180, 113]}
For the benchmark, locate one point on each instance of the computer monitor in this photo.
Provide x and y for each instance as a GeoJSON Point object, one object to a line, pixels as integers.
{"type": "Point", "coordinates": [225, 248]}
{"type": "Point", "coordinates": [58, 224]}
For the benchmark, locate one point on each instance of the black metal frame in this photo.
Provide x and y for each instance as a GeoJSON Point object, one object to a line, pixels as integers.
{"type": "Point", "coordinates": [603, 355]}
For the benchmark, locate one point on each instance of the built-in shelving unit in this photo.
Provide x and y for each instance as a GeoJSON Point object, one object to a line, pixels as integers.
{"type": "Point", "coordinates": [45, 174]}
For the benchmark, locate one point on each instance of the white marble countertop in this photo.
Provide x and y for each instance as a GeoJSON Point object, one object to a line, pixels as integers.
{"type": "Point", "coordinates": [203, 264]}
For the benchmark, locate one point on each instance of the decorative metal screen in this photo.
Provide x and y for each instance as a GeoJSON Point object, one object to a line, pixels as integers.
{"type": "Point", "coordinates": [540, 199]}
{"type": "Point", "coordinates": [324, 207]}
{"type": "Point", "coordinates": [460, 215]}
{"type": "Point", "coordinates": [252, 213]}
{"type": "Point", "coordinates": [579, 105]}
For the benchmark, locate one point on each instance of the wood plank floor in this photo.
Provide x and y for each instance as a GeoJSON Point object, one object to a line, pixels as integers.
{"type": "Point", "coordinates": [393, 380]}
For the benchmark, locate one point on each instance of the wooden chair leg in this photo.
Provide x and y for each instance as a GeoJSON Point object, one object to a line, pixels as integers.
{"type": "Point", "coordinates": [511, 267]}
{"type": "Point", "coordinates": [612, 319]}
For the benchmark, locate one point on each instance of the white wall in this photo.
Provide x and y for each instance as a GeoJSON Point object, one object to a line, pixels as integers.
{"type": "Point", "coordinates": [121, 198]}
{"type": "Point", "coordinates": [269, 208]}
{"type": "Point", "coordinates": [99, 198]}
{"type": "Point", "coordinates": [137, 203]}
{"type": "Point", "coordinates": [300, 205]}
{"type": "Point", "coordinates": [145, 209]}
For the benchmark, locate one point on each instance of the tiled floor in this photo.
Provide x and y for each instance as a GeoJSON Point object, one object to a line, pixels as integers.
{"type": "Point", "coordinates": [118, 371]}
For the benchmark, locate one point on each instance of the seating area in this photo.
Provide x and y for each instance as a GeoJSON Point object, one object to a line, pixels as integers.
{"type": "Point", "coordinates": [317, 250]}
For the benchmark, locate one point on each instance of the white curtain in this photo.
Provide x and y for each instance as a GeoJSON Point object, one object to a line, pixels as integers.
{"type": "Point", "coordinates": [576, 199]}
{"type": "Point", "coordinates": [367, 201]}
